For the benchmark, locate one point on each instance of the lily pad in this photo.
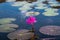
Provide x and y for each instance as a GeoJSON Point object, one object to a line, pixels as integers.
{"type": "Point", "coordinates": [6, 20]}
{"type": "Point", "coordinates": [8, 27]}
{"type": "Point", "coordinates": [50, 30]}
{"type": "Point", "coordinates": [18, 3]}
{"type": "Point", "coordinates": [22, 34]}
{"type": "Point", "coordinates": [50, 12]}
{"type": "Point", "coordinates": [32, 13]}
{"type": "Point", "coordinates": [25, 8]}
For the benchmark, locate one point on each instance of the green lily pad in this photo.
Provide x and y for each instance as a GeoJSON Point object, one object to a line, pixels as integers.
{"type": "Point", "coordinates": [8, 27]}
{"type": "Point", "coordinates": [6, 20]}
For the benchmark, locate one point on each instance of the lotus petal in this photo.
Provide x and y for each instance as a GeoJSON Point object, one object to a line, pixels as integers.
{"type": "Point", "coordinates": [6, 20]}
{"type": "Point", "coordinates": [31, 20]}
{"type": "Point", "coordinates": [50, 30]}
{"type": "Point", "coordinates": [8, 27]}
{"type": "Point", "coordinates": [20, 34]}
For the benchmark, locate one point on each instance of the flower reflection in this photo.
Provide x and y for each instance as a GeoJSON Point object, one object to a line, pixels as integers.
{"type": "Point", "coordinates": [50, 30]}
{"type": "Point", "coordinates": [8, 27]}
{"type": "Point", "coordinates": [6, 20]}
{"type": "Point", "coordinates": [50, 12]}
{"type": "Point", "coordinates": [23, 34]}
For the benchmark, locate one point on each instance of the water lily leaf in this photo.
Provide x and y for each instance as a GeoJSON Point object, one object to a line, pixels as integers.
{"type": "Point", "coordinates": [6, 20]}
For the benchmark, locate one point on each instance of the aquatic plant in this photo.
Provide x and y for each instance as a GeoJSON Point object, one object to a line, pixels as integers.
{"type": "Point", "coordinates": [50, 12]}
{"type": "Point", "coordinates": [22, 34]}
{"type": "Point", "coordinates": [40, 6]}
{"type": "Point", "coordinates": [28, 5]}
{"type": "Point", "coordinates": [18, 3]}
{"type": "Point", "coordinates": [40, 1]}
{"type": "Point", "coordinates": [10, 0]}
{"type": "Point", "coordinates": [31, 20]}
{"type": "Point", "coordinates": [32, 13]}
{"type": "Point", "coordinates": [51, 2]}
{"type": "Point", "coordinates": [6, 20]}
{"type": "Point", "coordinates": [8, 27]}
{"type": "Point", "coordinates": [50, 30]}
{"type": "Point", "coordinates": [55, 4]}
{"type": "Point", "coordinates": [25, 8]}
{"type": "Point", "coordinates": [48, 38]}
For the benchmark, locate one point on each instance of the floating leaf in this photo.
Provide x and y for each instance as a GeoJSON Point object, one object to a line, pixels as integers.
{"type": "Point", "coordinates": [32, 13]}
{"type": "Point", "coordinates": [40, 6]}
{"type": "Point", "coordinates": [50, 30]}
{"type": "Point", "coordinates": [18, 3]}
{"type": "Point", "coordinates": [8, 27]}
{"type": "Point", "coordinates": [20, 34]}
{"type": "Point", "coordinates": [48, 38]}
{"type": "Point", "coordinates": [6, 20]}
{"type": "Point", "coordinates": [50, 12]}
{"type": "Point", "coordinates": [10, 0]}
{"type": "Point", "coordinates": [55, 4]}
{"type": "Point", "coordinates": [25, 8]}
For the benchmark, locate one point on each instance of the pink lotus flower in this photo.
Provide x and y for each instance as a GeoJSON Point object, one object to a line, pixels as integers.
{"type": "Point", "coordinates": [31, 20]}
